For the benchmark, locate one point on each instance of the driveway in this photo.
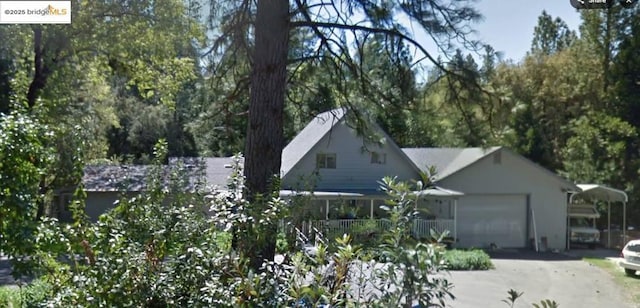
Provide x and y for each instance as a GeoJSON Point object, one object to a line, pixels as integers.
{"type": "Point", "coordinates": [564, 278]}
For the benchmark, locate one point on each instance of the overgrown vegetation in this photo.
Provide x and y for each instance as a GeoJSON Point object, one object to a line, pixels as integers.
{"type": "Point", "coordinates": [28, 295]}
{"type": "Point", "coordinates": [467, 260]}
{"type": "Point", "coordinates": [10, 297]}
{"type": "Point", "coordinates": [172, 246]}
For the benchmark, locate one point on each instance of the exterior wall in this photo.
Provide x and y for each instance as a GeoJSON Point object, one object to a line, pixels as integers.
{"type": "Point", "coordinates": [354, 169]}
{"type": "Point", "coordinates": [514, 176]}
{"type": "Point", "coordinates": [99, 203]}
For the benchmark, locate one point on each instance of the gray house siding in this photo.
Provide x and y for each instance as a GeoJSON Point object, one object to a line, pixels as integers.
{"type": "Point", "coordinates": [354, 169]}
{"type": "Point", "coordinates": [512, 175]}
{"type": "Point", "coordinates": [99, 203]}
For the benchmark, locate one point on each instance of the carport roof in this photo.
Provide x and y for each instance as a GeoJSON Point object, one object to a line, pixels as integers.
{"type": "Point", "coordinates": [601, 192]}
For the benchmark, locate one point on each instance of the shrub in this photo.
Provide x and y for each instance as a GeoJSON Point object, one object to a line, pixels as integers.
{"type": "Point", "coordinates": [36, 292]}
{"type": "Point", "coordinates": [467, 260]}
{"type": "Point", "coordinates": [10, 297]}
{"type": "Point", "coordinates": [154, 252]}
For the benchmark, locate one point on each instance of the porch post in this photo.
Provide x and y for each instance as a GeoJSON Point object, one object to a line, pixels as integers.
{"type": "Point", "coordinates": [371, 216]}
{"type": "Point", "coordinates": [326, 213]}
{"type": "Point", "coordinates": [608, 224]}
{"type": "Point", "coordinates": [455, 221]}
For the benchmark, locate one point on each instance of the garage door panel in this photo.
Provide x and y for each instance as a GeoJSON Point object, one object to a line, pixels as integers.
{"type": "Point", "coordinates": [497, 219]}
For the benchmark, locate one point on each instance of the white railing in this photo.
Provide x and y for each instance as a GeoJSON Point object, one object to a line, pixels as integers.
{"type": "Point", "coordinates": [423, 227]}
{"type": "Point", "coordinates": [336, 227]}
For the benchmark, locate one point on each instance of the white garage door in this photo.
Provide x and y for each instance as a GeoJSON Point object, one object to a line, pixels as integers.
{"type": "Point", "coordinates": [487, 219]}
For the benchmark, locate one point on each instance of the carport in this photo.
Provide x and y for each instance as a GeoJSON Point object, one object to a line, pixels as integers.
{"type": "Point", "coordinates": [596, 192]}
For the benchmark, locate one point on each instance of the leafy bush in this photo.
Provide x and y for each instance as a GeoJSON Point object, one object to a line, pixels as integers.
{"type": "Point", "coordinates": [156, 251]}
{"type": "Point", "coordinates": [10, 297]}
{"type": "Point", "coordinates": [467, 260]}
{"type": "Point", "coordinates": [35, 293]}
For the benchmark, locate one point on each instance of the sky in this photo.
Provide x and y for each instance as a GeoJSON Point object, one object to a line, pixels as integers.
{"type": "Point", "coordinates": [508, 24]}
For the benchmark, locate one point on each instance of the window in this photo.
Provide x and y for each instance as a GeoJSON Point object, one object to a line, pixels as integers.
{"type": "Point", "coordinates": [326, 161]}
{"type": "Point", "coordinates": [378, 158]}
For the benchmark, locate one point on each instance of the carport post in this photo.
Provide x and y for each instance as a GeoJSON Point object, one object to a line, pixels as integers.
{"type": "Point", "coordinates": [624, 223]}
{"type": "Point", "coordinates": [608, 224]}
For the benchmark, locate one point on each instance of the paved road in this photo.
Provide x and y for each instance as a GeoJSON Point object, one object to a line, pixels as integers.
{"type": "Point", "coordinates": [568, 280]}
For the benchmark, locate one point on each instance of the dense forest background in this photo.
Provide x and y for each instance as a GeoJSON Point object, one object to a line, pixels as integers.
{"type": "Point", "coordinates": [122, 77]}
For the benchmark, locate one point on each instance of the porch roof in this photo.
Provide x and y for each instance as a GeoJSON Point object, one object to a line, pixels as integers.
{"type": "Point", "coordinates": [356, 194]}
{"type": "Point", "coordinates": [435, 191]}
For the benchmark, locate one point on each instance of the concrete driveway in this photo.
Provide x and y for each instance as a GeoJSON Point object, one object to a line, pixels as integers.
{"type": "Point", "coordinates": [564, 278]}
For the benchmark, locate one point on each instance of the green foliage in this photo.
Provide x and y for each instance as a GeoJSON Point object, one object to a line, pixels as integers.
{"type": "Point", "coordinates": [282, 246]}
{"type": "Point", "coordinates": [168, 247]}
{"type": "Point", "coordinates": [10, 297]}
{"type": "Point", "coordinates": [513, 296]}
{"type": "Point", "coordinates": [596, 152]}
{"type": "Point", "coordinates": [546, 303]}
{"type": "Point", "coordinates": [24, 162]}
{"type": "Point", "coordinates": [36, 292]}
{"type": "Point", "coordinates": [551, 35]}
{"type": "Point", "coordinates": [467, 260]}
{"type": "Point", "coordinates": [27, 296]}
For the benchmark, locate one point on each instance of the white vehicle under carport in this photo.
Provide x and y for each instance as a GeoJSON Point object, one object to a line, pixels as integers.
{"type": "Point", "coordinates": [582, 225]}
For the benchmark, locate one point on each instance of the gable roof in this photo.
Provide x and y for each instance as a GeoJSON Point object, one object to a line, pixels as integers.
{"type": "Point", "coordinates": [309, 137]}
{"type": "Point", "coordinates": [447, 161]}
{"type": "Point", "coordinates": [134, 178]}
{"type": "Point", "coordinates": [105, 178]}
{"type": "Point", "coordinates": [216, 170]}
{"type": "Point", "coordinates": [319, 127]}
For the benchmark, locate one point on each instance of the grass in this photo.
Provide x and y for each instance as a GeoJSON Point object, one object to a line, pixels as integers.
{"type": "Point", "coordinates": [630, 285]}
{"type": "Point", "coordinates": [468, 260]}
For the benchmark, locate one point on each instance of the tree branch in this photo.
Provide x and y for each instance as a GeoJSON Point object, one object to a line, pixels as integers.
{"type": "Point", "coordinates": [390, 32]}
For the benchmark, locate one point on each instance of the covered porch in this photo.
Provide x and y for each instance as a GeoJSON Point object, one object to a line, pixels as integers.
{"type": "Point", "coordinates": [337, 213]}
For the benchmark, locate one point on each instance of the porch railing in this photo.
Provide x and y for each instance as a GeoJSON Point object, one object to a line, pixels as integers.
{"type": "Point", "coordinates": [336, 227]}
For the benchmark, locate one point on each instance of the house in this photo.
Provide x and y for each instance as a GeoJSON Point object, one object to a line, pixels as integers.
{"type": "Point", "coordinates": [106, 184]}
{"type": "Point", "coordinates": [508, 200]}
{"type": "Point", "coordinates": [484, 197]}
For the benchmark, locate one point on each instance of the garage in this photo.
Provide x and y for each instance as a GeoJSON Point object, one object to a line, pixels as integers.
{"type": "Point", "coordinates": [492, 219]}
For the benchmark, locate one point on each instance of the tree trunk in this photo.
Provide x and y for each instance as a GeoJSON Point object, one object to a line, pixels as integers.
{"type": "Point", "coordinates": [41, 69]}
{"type": "Point", "coordinates": [265, 141]}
